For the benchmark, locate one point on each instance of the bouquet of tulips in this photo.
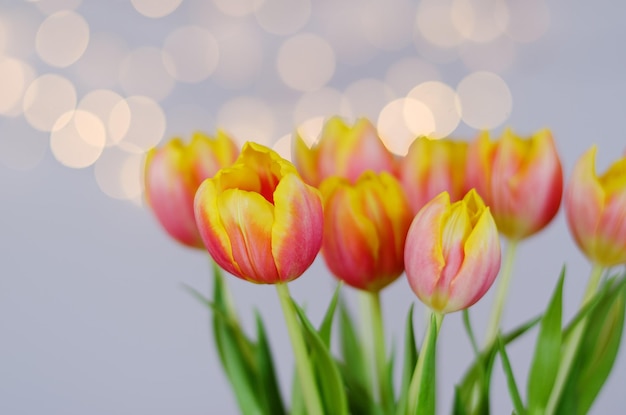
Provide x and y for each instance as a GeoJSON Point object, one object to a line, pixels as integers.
{"type": "Point", "coordinates": [436, 215]}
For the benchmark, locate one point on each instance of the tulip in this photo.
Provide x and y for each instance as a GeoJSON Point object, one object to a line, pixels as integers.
{"type": "Point", "coordinates": [172, 175]}
{"type": "Point", "coordinates": [452, 253]}
{"type": "Point", "coordinates": [342, 151]}
{"type": "Point", "coordinates": [596, 210]}
{"type": "Point", "coordinates": [431, 167]}
{"type": "Point", "coordinates": [521, 180]}
{"type": "Point", "coordinates": [365, 226]}
{"type": "Point", "coordinates": [258, 219]}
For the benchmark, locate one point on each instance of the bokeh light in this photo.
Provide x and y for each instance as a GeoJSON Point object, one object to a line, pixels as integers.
{"type": "Point", "coordinates": [283, 146]}
{"type": "Point", "coordinates": [143, 72]}
{"type": "Point", "coordinates": [101, 103]}
{"type": "Point", "coordinates": [62, 38]}
{"type": "Point", "coordinates": [237, 8]}
{"type": "Point", "coordinates": [434, 22]}
{"type": "Point", "coordinates": [367, 97]}
{"type": "Point", "coordinates": [401, 121]}
{"type": "Point", "coordinates": [193, 54]}
{"type": "Point", "coordinates": [247, 119]}
{"type": "Point", "coordinates": [486, 100]}
{"type": "Point", "coordinates": [443, 103]}
{"type": "Point", "coordinates": [405, 73]}
{"type": "Point", "coordinates": [479, 20]}
{"type": "Point", "coordinates": [146, 127]}
{"type": "Point", "coordinates": [155, 9]}
{"type": "Point", "coordinates": [118, 173]}
{"type": "Point", "coordinates": [46, 99]}
{"type": "Point", "coordinates": [283, 17]}
{"type": "Point", "coordinates": [21, 24]}
{"type": "Point", "coordinates": [99, 66]}
{"type": "Point", "coordinates": [12, 83]}
{"type": "Point", "coordinates": [53, 6]}
{"type": "Point", "coordinates": [526, 21]}
{"type": "Point", "coordinates": [241, 56]}
{"type": "Point", "coordinates": [77, 139]}
{"type": "Point", "coordinates": [305, 62]}
{"type": "Point", "coordinates": [388, 25]}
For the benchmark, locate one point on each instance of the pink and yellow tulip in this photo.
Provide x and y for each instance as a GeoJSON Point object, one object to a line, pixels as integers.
{"type": "Point", "coordinates": [596, 210]}
{"type": "Point", "coordinates": [452, 253]}
{"type": "Point", "coordinates": [258, 219]}
{"type": "Point", "coordinates": [431, 167]}
{"type": "Point", "coordinates": [521, 180]}
{"type": "Point", "coordinates": [342, 151]}
{"type": "Point", "coordinates": [172, 175]}
{"type": "Point", "coordinates": [365, 226]}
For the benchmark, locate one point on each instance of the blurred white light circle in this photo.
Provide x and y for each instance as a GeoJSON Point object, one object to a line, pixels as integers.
{"type": "Point", "coordinates": [193, 54]}
{"type": "Point", "coordinates": [476, 19]}
{"type": "Point", "coordinates": [311, 130]}
{"type": "Point", "coordinates": [324, 102]}
{"type": "Point", "coordinates": [53, 6]}
{"type": "Point", "coordinates": [21, 147]}
{"type": "Point", "coordinates": [405, 74]}
{"type": "Point", "coordinates": [3, 36]}
{"type": "Point", "coordinates": [401, 121]}
{"type": "Point", "coordinates": [46, 99]}
{"type": "Point", "coordinates": [237, 8]}
{"type": "Point", "coordinates": [247, 119]}
{"type": "Point", "coordinates": [143, 72]}
{"type": "Point", "coordinates": [442, 102]}
{"type": "Point", "coordinates": [388, 25]}
{"type": "Point", "coordinates": [62, 38]}
{"type": "Point", "coordinates": [146, 127]}
{"type": "Point", "coordinates": [283, 146]}
{"type": "Point", "coordinates": [101, 103]}
{"type": "Point", "coordinates": [118, 173]}
{"type": "Point", "coordinates": [367, 97]}
{"type": "Point", "coordinates": [21, 25]}
{"type": "Point", "coordinates": [12, 83]}
{"type": "Point", "coordinates": [99, 66]}
{"type": "Point", "coordinates": [77, 139]}
{"type": "Point", "coordinates": [283, 17]}
{"type": "Point", "coordinates": [434, 23]}
{"type": "Point", "coordinates": [155, 9]}
{"type": "Point", "coordinates": [241, 56]}
{"type": "Point", "coordinates": [305, 62]}
{"type": "Point", "coordinates": [526, 20]}
{"type": "Point", "coordinates": [486, 100]}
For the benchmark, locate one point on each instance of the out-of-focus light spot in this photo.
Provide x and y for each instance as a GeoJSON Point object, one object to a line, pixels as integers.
{"type": "Point", "coordinates": [526, 20]}
{"type": "Point", "coordinates": [306, 62]}
{"type": "Point", "coordinates": [143, 72]}
{"type": "Point", "coordinates": [21, 147]}
{"type": "Point", "coordinates": [118, 173]}
{"type": "Point", "coordinates": [434, 54]}
{"type": "Point", "coordinates": [434, 23]}
{"type": "Point", "coordinates": [241, 56]}
{"type": "Point", "coordinates": [21, 28]}
{"type": "Point", "coordinates": [388, 24]}
{"type": "Point", "coordinates": [442, 102]}
{"type": "Point", "coordinates": [77, 139]}
{"type": "Point", "coordinates": [367, 97]}
{"type": "Point", "coordinates": [476, 19]}
{"type": "Point", "coordinates": [53, 6]}
{"type": "Point", "coordinates": [324, 102]}
{"type": "Point", "coordinates": [404, 74]}
{"type": "Point", "coordinates": [183, 120]}
{"type": "Point", "coordinates": [495, 56]}
{"type": "Point", "coordinates": [486, 100]}
{"type": "Point", "coordinates": [46, 99]}
{"type": "Point", "coordinates": [146, 127]}
{"type": "Point", "coordinates": [155, 9]}
{"type": "Point", "coordinates": [99, 66]}
{"type": "Point", "coordinates": [101, 103]}
{"type": "Point", "coordinates": [193, 53]}
{"type": "Point", "coordinates": [62, 38]}
{"type": "Point", "coordinates": [237, 8]}
{"type": "Point", "coordinates": [283, 17]}
{"type": "Point", "coordinates": [401, 121]}
{"type": "Point", "coordinates": [247, 119]}
{"type": "Point", "coordinates": [311, 130]}
{"type": "Point", "coordinates": [12, 83]}
{"type": "Point", "coordinates": [283, 146]}
{"type": "Point", "coordinates": [3, 36]}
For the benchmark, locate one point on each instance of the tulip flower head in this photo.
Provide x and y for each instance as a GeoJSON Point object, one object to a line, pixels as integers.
{"type": "Point", "coordinates": [172, 175]}
{"type": "Point", "coordinates": [365, 226]}
{"type": "Point", "coordinates": [521, 180]}
{"type": "Point", "coordinates": [258, 219]}
{"type": "Point", "coordinates": [452, 252]}
{"type": "Point", "coordinates": [431, 167]}
{"type": "Point", "coordinates": [596, 210]}
{"type": "Point", "coordinates": [342, 151]}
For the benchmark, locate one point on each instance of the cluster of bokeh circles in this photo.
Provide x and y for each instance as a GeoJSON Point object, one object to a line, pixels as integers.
{"type": "Point", "coordinates": [99, 83]}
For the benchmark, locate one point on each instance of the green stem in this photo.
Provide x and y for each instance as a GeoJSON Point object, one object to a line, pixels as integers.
{"type": "Point", "coordinates": [570, 346]}
{"type": "Point", "coordinates": [416, 379]}
{"type": "Point", "coordinates": [303, 365]}
{"type": "Point", "coordinates": [501, 294]}
{"type": "Point", "coordinates": [380, 355]}
{"type": "Point", "coordinates": [366, 334]}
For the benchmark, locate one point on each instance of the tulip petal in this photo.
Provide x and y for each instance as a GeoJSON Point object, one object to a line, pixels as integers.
{"type": "Point", "coordinates": [306, 159]}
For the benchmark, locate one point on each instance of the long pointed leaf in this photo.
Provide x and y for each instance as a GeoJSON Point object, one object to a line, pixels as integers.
{"type": "Point", "coordinates": [510, 380]}
{"type": "Point", "coordinates": [410, 359]}
{"type": "Point", "coordinates": [325, 329]}
{"type": "Point", "coordinates": [267, 384]}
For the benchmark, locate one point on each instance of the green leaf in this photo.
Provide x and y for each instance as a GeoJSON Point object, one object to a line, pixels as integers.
{"type": "Point", "coordinates": [545, 365]}
{"type": "Point", "coordinates": [426, 390]}
{"type": "Point", "coordinates": [268, 389]}
{"type": "Point", "coordinates": [325, 329]}
{"type": "Point", "coordinates": [410, 360]}
{"type": "Point", "coordinates": [360, 399]}
{"type": "Point", "coordinates": [510, 380]}
{"type": "Point", "coordinates": [329, 378]}
{"type": "Point", "coordinates": [352, 352]}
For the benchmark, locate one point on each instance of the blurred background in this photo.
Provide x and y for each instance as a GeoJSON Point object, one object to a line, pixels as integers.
{"type": "Point", "coordinates": [93, 316]}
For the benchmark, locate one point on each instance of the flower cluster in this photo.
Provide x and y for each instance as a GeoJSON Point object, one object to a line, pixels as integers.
{"type": "Point", "coordinates": [434, 215]}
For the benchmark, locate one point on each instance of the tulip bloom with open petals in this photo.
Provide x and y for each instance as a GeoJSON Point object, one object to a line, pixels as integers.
{"type": "Point", "coordinates": [342, 151]}
{"type": "Point", "coordinates": [258, 219]}
{"type": "Point", "coordinates": [365, 226]}
{"type": "Point", "coordinates": [452, 253]}
{"type": "Point", "coordinates": [431, 167]}
{"type": "Point", "coordinates": [521, 180]}
{"type": "Point", "coordinates": [596, 210]}
{"type": "Point", "coordinates": [172, 175]}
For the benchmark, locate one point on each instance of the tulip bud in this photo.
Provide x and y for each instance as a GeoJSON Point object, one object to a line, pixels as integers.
{"type": "Point", "coordinates": [172, 175]}
{"type": "Point", "coordinates": [365, 226]}
{"type": "Point", "coordinates": [431, 167]}
{"type": "Point", "coordinates": [342, 151]}
{"type": "Point", "coordinates": [596, 210]}
{"type": "Point", "coordinates": [258, 219]}
{"type": "Point", "coordinates": [521, 180]}
{"type": "Point", "coordinates": [452, 253]}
